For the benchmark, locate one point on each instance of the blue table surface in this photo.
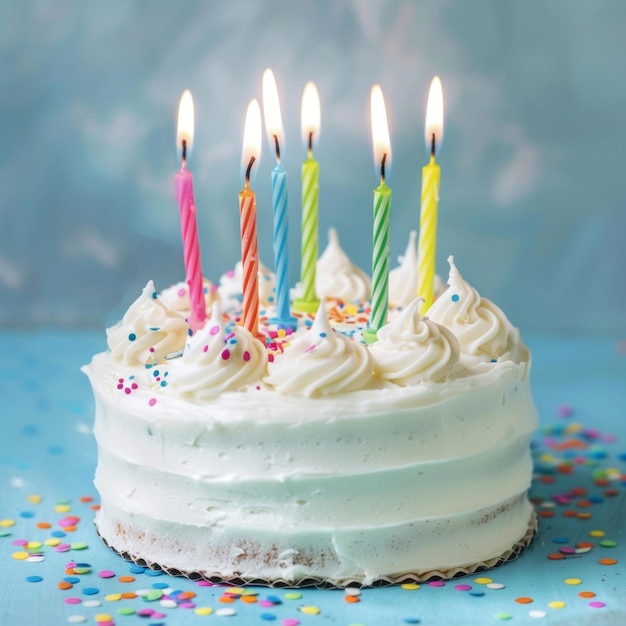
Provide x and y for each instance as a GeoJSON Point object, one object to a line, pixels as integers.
{"type": "Point", "coordinates": [48, 456]}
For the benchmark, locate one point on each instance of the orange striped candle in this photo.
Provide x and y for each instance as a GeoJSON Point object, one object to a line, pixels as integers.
{"type": "Point", "coordinates": [247, 209]}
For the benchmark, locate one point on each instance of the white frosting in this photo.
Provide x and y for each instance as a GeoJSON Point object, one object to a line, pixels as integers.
{"type": "Point", "coordinates": [148, 332]}
{"type": "Point", "coordinates": [236, 484]}
{"type": "Point", "coordinates": [403, 280]}
{"type": "Point", "coordinates": [321, 362]}
{"type": "Point", "coordinates": [231, 285]}
{"type": "Point", "coordinates": [176, 297]}
{"type": "Point", "coordinates": [411, 349]}
{"type": "Point", "coordinates": [483, 330]}
{"type": "Point", "coordinates": [218, 358]}
{"type": "Point", "coordinates": [337, 277]}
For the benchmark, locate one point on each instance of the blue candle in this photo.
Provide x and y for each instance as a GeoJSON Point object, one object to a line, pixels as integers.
{"type": "Point", "coordinates": [281, 224]}
{"type": "Point", "coordinates": [273, 124]}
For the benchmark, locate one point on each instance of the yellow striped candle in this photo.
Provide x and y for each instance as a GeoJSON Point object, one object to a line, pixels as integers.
{"type": "Point", "coordinates": [431, 176]}
{"type": "Point", "coordinates": [310, 120]}
{"type": "Point", "coordinates": [382, 214]}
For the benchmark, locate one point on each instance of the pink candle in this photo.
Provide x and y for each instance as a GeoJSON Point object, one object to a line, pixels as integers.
{"type": "Point", "coordinates": [249, 259]}
{"type": "Point", "coordinates": [187, 208]}
{"type": "Point", "coordinates": [247, 208]}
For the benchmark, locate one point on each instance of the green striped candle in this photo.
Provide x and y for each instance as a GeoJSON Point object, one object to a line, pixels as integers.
{"type": "Point", "coordinates": [380, 260]}
{"type": "Point", "coordinates": [382, 214]}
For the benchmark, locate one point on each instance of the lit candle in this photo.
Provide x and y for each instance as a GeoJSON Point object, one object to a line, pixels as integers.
{"type": "Point", "coordinates": [310, 124]}
{"type": "Point", "coordinates": [382, 210]}
{"type": "Point", "coordinates": [251, 153]}
{"type": "Point", "coordinates": [274, 128]}
{"type": "Point", "coordinates": [187, 209]}
{"type": "Point", "coordinates": [431, 176]}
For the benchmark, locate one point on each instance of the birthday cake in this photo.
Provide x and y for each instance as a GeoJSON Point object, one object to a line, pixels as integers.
{"type": "Point", "coordinates": [311, 457]}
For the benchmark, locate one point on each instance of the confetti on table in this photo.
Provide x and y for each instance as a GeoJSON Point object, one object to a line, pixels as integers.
{"type": "Point", "coordinates": [310, 610]}
{"type": "Point", "coordinates": [203, 610]}
{"type": "Point", "coordinates": [557, 604]}
{"type": "Point", "coordinates": [226, 612]}
{"type": "Point", "coordinates": [293, 595]}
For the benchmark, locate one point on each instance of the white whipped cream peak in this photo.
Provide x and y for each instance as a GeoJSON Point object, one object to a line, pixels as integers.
{"type": "Point", "coordinates": [231, 287]}
{"type": "Point", "coordinates": [483, 330]}
{"type": "Point", "coordinates": [321, 362]}
{"type": "Point", "coordinates": [176, 297]}
{"type": "Point", "coordinates": [403, 279]}
{"type": "Point", "coordinates": [148, 332]}
{"type": "Point", "coordinates": [219, 357]}
{"type": "Point", "coordinates": [337, 277]}
{"type": "Point", "coordinates": [412, 349]}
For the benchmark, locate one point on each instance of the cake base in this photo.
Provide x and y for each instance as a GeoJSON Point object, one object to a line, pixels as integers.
{"type": "Point", "coordinates": [401, 578]}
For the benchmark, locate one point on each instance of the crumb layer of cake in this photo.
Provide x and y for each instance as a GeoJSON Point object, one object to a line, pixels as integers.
{"type": "Point", "coordinates": [415, 553]}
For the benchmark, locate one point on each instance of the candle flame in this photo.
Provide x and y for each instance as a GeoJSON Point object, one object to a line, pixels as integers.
{"type": "Point", "coordinates": [310, 113]}
{"type": "Point", "coordinates": [271, 111]}
{"type": "Point", "coordinates": [434, 116]}
{"type": "Point", "coordinates": [185, 128]}
{"type": "Point", "coordinates": [380, 132]}
{"type": "Point", "coordinates": [251, 138]}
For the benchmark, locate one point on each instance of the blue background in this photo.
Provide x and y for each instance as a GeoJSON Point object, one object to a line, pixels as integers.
{"type": "Point", "coordinates": [532, 200]}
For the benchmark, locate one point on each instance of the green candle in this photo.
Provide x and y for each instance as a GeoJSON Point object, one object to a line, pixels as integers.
{"type": "Point", "coordinates": [380, 260]}
{"type": "Point", "coordinates": [382, 213]}
{"type": "Point", "coordinates": [308, 301]}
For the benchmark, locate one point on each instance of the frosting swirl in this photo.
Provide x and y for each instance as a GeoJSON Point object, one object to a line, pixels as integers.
{"type": "Point", "coordinates": [412, 349]}
{"type": "Point", "coordinates": [218, 357]}
{"type": "Point", "coordinates": [148, 332]}
{"type": "Point", "coordinates": [176, 297]}
{"type": "Point", "coordinates": [403, 280]}
{"type": "Point", "coordinates": [231, 287]}
{"type": "Point", "coordinates": [321, 362]}
{"type": "Point", "coordinates": [483, 330]}
{"type": "Point", "coordinates": [337, 277]}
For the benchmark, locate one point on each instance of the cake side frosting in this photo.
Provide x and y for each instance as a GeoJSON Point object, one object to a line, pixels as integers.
{"type": "Point", "coordinates": [374, 479]}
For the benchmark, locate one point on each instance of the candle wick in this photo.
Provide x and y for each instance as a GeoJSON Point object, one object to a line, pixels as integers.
{"type": "Point", "coordinates": [184, 156]}
{"type": "Point", "coordinates": [249, 169]}
{"type": "Point", "coordinates": [382, 168]}
{"type": "Point", "coordinates": [277, 148]}
{"type": "Point", "coordinates": [311, 144]}
{"type": "Point", "coordinates": [433, 145]}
